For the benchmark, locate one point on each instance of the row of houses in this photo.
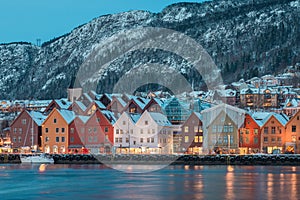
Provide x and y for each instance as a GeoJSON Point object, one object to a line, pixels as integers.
{"type": "Point", "coordinates": [126, 123]}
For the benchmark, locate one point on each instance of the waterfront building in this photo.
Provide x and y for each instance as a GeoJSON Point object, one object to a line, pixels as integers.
{"type": "Point", "coordinates": [117, 105]}
{"type": "Point", "coordinates": [292, 134]}
{"type": "Point", "coordinates": [55, 131]}
{"type": "Point", "coordinates": [220, 128]}
{"type": "Point", "coordinates": [191, 135]}
{"type": "Point", "coordinates": [58, 104]}
{"type": "Point", "coordinates": [26, 130]}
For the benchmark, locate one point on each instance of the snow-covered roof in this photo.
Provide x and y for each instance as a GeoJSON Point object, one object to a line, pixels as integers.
{"type": "Point", "coordinates": [262, 117]}
{"type": "Point", "coordinates": [84, 119]}
{"type": "Point", "coordinates": [198, 115]}
{"type": "Point", "coordinates": [81, 105]}
{"type": "Point", "coordinates": [99, 104]}
{"type": "Point", "coordinates": [135, 117]}
{"type": "Point", "coordinates": [227, 93]}
{"type": "Point", "coordinates": [141, 102]}
{"type": "Point", "coordinates": [37, 117]}
{"type": "Point", "coordinates": [87, 96]}
{"type": "Point", "coordinates": [160, 119]}
{"type": "Point", "coordinates": [109, 115]}
{"type": "Point", "coordinates": [63, 103]}
{"type": "Point", "coordinates": [122, 102]}
{"type": "Point", "coordinates": [68, 115]}
{"type": "Point", "coordinates": [291, 103]}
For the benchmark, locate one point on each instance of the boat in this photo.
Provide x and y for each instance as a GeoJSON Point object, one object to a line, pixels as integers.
{"type": "Point", "coordinates": [37, 159]}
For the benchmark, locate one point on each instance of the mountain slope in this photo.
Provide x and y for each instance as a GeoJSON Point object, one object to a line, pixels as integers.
{"type": "Point", "coordinates": [244, 38]}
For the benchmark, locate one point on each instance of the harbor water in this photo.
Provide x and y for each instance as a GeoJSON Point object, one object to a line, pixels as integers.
{"type": "Point", "coordinates": [58, 181]}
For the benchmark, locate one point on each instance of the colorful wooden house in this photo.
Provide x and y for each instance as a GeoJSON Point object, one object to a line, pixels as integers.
{"type": "Point", "coordinates": [26, 130]}
{"type": "Point", "coordinates": [192, 134]}
{"type": "Point", "coordinates": [292, 134]}
{"type": "Point", "coordinates": [55, 130]}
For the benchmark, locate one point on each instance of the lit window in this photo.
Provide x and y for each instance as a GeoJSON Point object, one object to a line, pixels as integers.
{"type": "Point", "coordinates": [186, 139]}
{"type": "Point", "coordinates": [255, 131]}
{"type": "Point", "coordinates": [186, 129]}
{"type": "Point", "coordinates": [196, 139]}
{"type": "Point", "coordinates": [200, 138]}
{"type": "Point", "coordinates": [195, 129]}
{"type": "Point", "coordinates": [247, 131]}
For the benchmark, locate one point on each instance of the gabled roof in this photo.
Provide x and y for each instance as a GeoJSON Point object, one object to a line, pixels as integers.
{"type": "Point", "coordinates": [135, 117]}
{"type": "Point", "coordinates": [160, 119]}
{"type": "Point", "coordinates": [261, 118]}
{"type": "Point", "coordinates": [68, 115]}
{"type": "Point", "coordinates": [141, 102]}
{"type": "Point", "coordinates": [109, 115]}
{"type": "Point", "coordinates": [63, 103]}
{"type": "Point", "coordinates": [81, 105]}
{"type": "Point", "coordinates": [99, 104]}
{"type": "Point", "coordinates": [198, 115]}
{"type": "Point", "coordinates": [37, 117]}
{"type": "Point", "coordinates": [84, 119]}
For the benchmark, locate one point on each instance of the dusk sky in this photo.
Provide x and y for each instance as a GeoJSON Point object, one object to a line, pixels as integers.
{"type": "Point", "coordinates": [28, 20]}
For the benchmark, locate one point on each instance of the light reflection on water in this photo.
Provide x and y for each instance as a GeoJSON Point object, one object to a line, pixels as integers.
{"type": "Point", "coordinates": [172, 182]}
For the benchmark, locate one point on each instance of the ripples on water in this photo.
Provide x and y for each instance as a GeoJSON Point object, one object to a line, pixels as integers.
{"type": "Point", "coordinates": [172, 182]}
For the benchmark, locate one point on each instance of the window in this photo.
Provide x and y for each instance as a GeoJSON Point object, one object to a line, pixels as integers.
{"type": "Point", "coordinates": [131, 131]}
{"type": "Point", "coordinates": [82, 130]}
{"type": "Point", "coordinates": [54, 120]}
{"type": "Point", "coordinates": [90, 130]}
{"type": "Point", "coordinates": [186, 139]}
{"type": "Point", "coordinates": [297, 117]}
{"type": "Point", "coordinates": [57, 139]}
{"type": "Point", "coordinates": [72, 139]}
{"type": "Point", "coordinates": [196, 140]}
{"type": "Point", "coordinates": [149, 131]}
{"type": "Point", "coordinates": [98, 119]}
{"type": "Point", "coordinates": [256, 140]}
{"type": "Point", "coordinates": [200, 138]}
{"type": "Point", "coordinates": [46, 130]}
{"type": "Point", "coordinates": [106, 138]}
{"type": "Point", "coordinates": [230, 129]}
{"type": "Point", "coordinates": [278, 139]}
{"type": "Point", "coordinates": [121, 131]}
{"type": "Point", "coordinates": [20, 139]}
{"type": "Point", "coordinates": [266, 130]}
{"type": "Point", "coordinates": [146, 122]}
{"type": "Point", "coordinates": [117, 131]}
{"type": "Point", "coordinates": [57, 130]}
{"type": "Point", "coordinates": [141, 131]}
{"type": "Point", "coordinates": [293, 138]}
{"type": "Point", "coordinates": [46, 139]}
{"type": "Point", "coordinates": [247, 140]}
{"type": "Point", "coordinates": [62, 139]}
{"type": "Point", "coordinates": [20, 130]}
{"type": "Point", "coordinates": [148, 140]}
{"type": "Point", "coordinates": [62, 130]}
{"type": "Point", "coordinates": [294, 129]}
{"type": "Point", "coordinates": [247, 131]}
{"type": "Point", "coordinates": [255, 131]}
{"type": "Point", "coordinates": [273, 139]}
{"type": "Point", "coordinates": [152, 140]}
{"type": "Point", "coordinates": [23, 121]}
{"type": "Point", "coordinates": [165, 140]}
{"type": "Point", "coordinates": [265, 139]}
{"type": "Point", "coordinates": [15, 130]}
{"type": "Point", "coordinates": [226, 129]}
{"type": "Point", "coordinates": [127, 140]}
{"type": "Point", "coordinates": [120, 140]}
{"type": "Point", "coordinates": [153, 131]}
{"type": "Point", "coordinates": [95, 130]}
{"type": "Point", "coordinates": [106, 129]}
{"type": "Point", "coordinates": [72, 130]}
{"type": "Point", "coordinates": [186, 129]}
{"type": "Point", "coordinates": [90, 138]}
{"type": "Point", "coordinates": [14, 139]}
{"type": "Point", "coordinates": [124, 123]}
{"type": "Point", "coordinates": [116, 140]}
{"type": "Point", "coordinates": [141, 140]}
{"type": "Point", "coordinates": [196, 129]}
{"type": "Point", "coordinates": [95, 139]}
{"type": "Point", "coordinates": [273, 130]}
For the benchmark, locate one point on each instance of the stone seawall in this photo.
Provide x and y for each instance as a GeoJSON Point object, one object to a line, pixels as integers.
{"type": "Point", "coordinates": [263, 159]}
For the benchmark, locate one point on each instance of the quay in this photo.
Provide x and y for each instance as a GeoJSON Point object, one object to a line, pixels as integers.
{"type": "Point", "coordinates": [252, 159]}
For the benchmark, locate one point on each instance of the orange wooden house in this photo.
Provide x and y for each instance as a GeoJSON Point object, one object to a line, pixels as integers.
{"type": "Point", "coordinates": [55, 131]}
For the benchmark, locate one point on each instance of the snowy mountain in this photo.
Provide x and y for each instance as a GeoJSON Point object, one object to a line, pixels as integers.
{"type": "Point", "coordinates": [244, 38]}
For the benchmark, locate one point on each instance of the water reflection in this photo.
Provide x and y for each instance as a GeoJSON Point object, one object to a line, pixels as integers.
{"type": "Point", "coordinates": [172, 182]}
